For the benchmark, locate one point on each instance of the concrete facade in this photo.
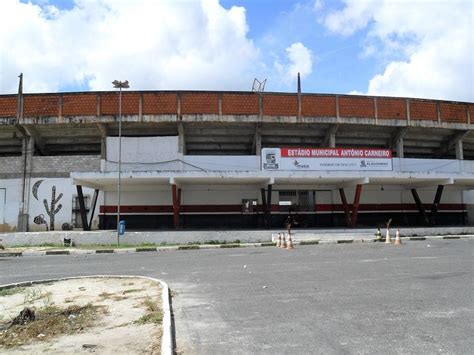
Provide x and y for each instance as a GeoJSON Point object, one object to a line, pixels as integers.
{"type": "Point", "coordinates": [193, 158]}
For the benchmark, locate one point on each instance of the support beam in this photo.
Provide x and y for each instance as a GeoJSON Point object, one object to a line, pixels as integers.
{"type": "Point", "coordinates": [176, 204]}
{"type": "Point", "coordinates": [455, 141]}
{"type": "Point", "coordinates": [330, 138]}
{"type": "Point", "coordinates": [93, 205]}
{"type": "Point", "coordinates": [257, 141]}
{"type": "Point", "coordinates": [39, 141]}
{"type": "Point", "coordinates": [420, 207]}
{"type": "Point", "coordinates": [355, 205]}
{"type": "Point", "coordinates": [103, 139]}
{"type": "Point", "coordinates": [397, 141]}
{"type": "Point", "coordinates": [269, 206]}
{"type": "Point", "coordinates": [345, 206]}
{"type": "Point", "coordinates": [82, 208]}
{"type": "Point", "coordinates": [264, 207]}
{"type": "Point", "coordinates": [458, 149]}
{"type": "Point", "coordinates": [437, 199]}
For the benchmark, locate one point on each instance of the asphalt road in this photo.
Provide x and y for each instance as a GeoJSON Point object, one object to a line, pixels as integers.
{"type": "Point", "coordinates": [356, 298]}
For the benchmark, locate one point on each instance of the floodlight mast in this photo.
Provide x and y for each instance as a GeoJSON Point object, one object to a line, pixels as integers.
{"type": "Point", "coordinates": [258, 86]}
{"type": "Point", "coordinates": [119, 85]}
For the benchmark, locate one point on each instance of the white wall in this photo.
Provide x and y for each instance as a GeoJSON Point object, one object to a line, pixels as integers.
{"type": "Point", "coordinates": [44, 192]}
{"type": "Point", "coordinates": [10, 190]}
{"type": "Point", "coordinates": [143, 149]}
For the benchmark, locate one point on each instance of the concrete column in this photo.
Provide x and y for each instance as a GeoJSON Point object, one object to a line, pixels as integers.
{"type": "Point", "coordinates": [28, 148]}
{"type": "Point", "coordinates": [82, 208]}
{"type": "Point", "coordinates": [399, 147]}
{"type": "Point", "coordinates": [458, 149]}
{"type": "Point", "coordinates": [376, 112]}
{"type": "Point", "coordinates": [103, 147]}
{"type": "Point", "coordinates": [181, 139]}
{"type": "Point", "coordinates": [355, 205]}
{"type": "Point", "coordinates": [345, 207]}
{"type": "Point", "coordinates": [408, 111]}
{"type": "Point", "coordinates": [332, 139]}
{"type": "Point", "coordinates": [140, 107]}
{"type": "Point", "coordinates": [258, 140]}
{"type": "Point", "coordinates": [176, 196]}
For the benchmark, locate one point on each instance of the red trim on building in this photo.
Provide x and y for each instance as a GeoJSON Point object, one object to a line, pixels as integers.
{"type": "Point", "coordinates": [389, 207]}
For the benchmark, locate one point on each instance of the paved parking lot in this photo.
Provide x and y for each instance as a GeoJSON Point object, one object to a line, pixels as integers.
{"type": "Point", "coordinates": [356, 298]}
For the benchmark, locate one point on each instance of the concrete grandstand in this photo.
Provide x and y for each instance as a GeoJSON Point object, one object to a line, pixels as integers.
{"type": "Point", "coordinates": [233, 160]}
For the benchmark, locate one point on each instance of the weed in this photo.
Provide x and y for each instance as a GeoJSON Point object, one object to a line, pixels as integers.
{"type": "Point", "coordinates": [105, 295]}
{"type": "Point", "coordinates": [132, 290]}
{"type": "Point", "coordinates": [51, 322]}
{"type": "Point", "coordinates": [33, 294]}
{"type": "Point", "coordinates": [10, 291]}
{"type": "Point", "coordinates": [153, 313]}
{"type": "Point", "coordinates": [119, 298]}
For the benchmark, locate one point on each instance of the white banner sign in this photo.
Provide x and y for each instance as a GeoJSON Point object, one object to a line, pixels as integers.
{"type": "Point", "coordinates": [361, 159]}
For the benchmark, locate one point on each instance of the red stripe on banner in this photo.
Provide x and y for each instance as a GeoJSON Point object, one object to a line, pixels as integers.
{"type": "Point", "coordinates": [335, 153]}
{"type": "Point", "coordinates": [276, 208]}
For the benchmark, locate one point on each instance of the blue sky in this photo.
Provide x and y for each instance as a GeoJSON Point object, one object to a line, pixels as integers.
{"type": "Point", "coordinates": [376, 47]}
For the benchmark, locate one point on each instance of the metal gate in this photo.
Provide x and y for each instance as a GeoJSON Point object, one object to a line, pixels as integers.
{"type": "Point", "coordinates": [296, 200]}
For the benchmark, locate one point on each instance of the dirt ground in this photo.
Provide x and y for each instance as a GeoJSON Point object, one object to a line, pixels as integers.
{"type": "Point", "coordinates": [123, 326]}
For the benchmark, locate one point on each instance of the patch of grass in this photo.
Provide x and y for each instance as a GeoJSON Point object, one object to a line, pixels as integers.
{"type": "Point", "coordinates": [119, 298]}
{"type": "Point", "coordinates": [309, 242]}
{"type": "Point", "coordinates": [51, 322]}
{"type": "Point", "coordinates": [153, 313]}
{"type": "Point", "coordinates": [132, 290]}
{"type": "Point", "coordinates": [230, 245]}
{"type": "Point", "coordinates": [106, 295]}
{"type": "Point", "coordinates": [188, 247]}
{"type": "Point", "coordinates": [11, 291]}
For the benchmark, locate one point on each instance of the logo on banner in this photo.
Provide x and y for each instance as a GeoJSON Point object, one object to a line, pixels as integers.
{"type": "Point", "coordinates": [299, 165]}
{"type": "Point", "coordinates": [270, 159]}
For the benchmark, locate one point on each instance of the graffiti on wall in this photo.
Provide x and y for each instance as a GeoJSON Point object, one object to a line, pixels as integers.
{"type": "Point", "coordinates": [52, 208]}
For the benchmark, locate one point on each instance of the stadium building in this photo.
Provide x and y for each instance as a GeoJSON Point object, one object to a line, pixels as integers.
{"type": "Point", "coordinates": [194, 159]}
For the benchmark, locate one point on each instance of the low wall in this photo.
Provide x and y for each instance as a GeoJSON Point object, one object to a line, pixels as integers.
{"type": "Point", "coordinates": [184, 237]}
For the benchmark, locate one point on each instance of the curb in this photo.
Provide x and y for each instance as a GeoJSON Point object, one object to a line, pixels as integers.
{"type": "Point", "coordinates": [166, 338]}
{"type": "Point", "coordinates": [221, 246]}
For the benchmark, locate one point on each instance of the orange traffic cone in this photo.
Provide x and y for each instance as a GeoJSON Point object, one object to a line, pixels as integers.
{"type": "Point", "coordinates": [289, 243]}
{"type": "Point", "coordinates": [398, 241]}
{"type": "Point", "coordinates": [283, 241]}
{"type": "Point", "coordinates": [387, 237]}
{"type": "Point", "coordinates": [278, 242]}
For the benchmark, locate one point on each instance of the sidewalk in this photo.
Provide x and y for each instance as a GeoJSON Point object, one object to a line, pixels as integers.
{"type": "Point", "coordinates": [101, 242]}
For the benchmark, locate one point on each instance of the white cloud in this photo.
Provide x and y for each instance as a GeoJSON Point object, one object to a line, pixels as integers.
{"type": "Point", "coordinates": [318, 5]}
{"type": "Point", "coordinates": [299, 60]}
{"type": "Point", "coordinates": [154, 44]}
{"type": "Point", "coordinates": [427, 46]}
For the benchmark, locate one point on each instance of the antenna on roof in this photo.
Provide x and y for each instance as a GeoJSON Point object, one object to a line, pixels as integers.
{"type": "Point", "coordinates": [299, 84]}
{"type": "Point", "coordinates": [258, 86]}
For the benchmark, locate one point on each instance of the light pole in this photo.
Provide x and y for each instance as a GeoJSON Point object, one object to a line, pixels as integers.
{"type": "Point", "coordinates": [119, 85]}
